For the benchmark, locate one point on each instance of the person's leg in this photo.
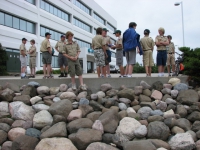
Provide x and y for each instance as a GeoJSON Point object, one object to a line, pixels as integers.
{"type": "Point", "coordinates": [164, 61]}
{"type": "Point", "coordinates": [104, 71]}
{"type": "Point", "coordinates": [48, 69]}
{"type": "Point", "coordinates": [121, 70]}
{"type": "Point", "coordinates": [130, 70]}
{"type": "Point", "coordinates": [98, 71]}
{"type": "Point", "coordinates": [108, 69]}
{"type": "Point", "coordinates": [60, 63]}
{"type": "Point", "coordinates": [149, 70]}
{"type": "Point", "coordinates": [146, 62]}
{"type": "Point", "coordinates": [44, 69]}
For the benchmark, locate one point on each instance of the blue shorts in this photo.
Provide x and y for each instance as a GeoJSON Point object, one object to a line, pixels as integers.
{"type": "Point", "coordinates": [108, 59]}
{"type": "Point", "coordinates": [161, 57]}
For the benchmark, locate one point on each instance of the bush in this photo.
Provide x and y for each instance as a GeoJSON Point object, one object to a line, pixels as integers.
{"type": "Point", "coordinates": [139, 68]}
{"type": "Point", "coordinates": [192, 63]}
{"type": "Point", "coordinates": [3, 59]}
{"type": "Point", "coordinates": [54, 71]}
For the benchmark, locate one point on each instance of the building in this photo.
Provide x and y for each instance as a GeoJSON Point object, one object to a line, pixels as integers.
{"type": "Point", "coordinates": [32, 18]}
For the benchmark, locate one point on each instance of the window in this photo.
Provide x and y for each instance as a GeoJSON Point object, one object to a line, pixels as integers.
{"type": "Point", "coordinates": [54, 10]}
{"type": "Point", "coordinates": [113, 41]}
{"type": "Point", "coordinates": [54, 34]}
{"type": "Point", "coordinates": [82, 25]}
{"type": "Point", "coordinates": [82, 43]}
{"type": "Point", "coordinates": [31, 1]}
{"type": "Point", "coordinates": [98, 18]}
{"type": "Point", "coordinates": [17, 23]}
{"type": "Point", "coordinates": [110, 27]}
{"type": "Point", "coordinates": [113, 54]}
{"type": "Point", "coordinates": [82, 6]}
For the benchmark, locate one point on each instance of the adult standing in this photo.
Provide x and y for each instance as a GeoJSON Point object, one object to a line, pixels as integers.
{"type": "Point", "coordinates": [62, 60]}
{"type": "Point", "coordinates": [147, 44]}
{"type": "Point", "coordinates": [171, 56]}
{"type": "Point", "coordinates": [108, 44]}
{"type": "Point", "coordinates": [23, 58]}
{"type": "Point", "coordinates": [161, 43]}
{"type": "Point", "coordinates": [46, 55]}
{"type": "Point", "coordinates": [130, 45]}
{"type": "Point", "coordinates": [119, 52]}
{"type": "Point", "coordinates": [32, 58]}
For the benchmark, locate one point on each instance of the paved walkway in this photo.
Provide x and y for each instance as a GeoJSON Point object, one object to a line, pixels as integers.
{"type": "Point", "coordinates": [86, 76]}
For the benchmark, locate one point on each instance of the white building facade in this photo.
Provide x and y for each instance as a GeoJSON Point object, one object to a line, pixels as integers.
{"type": "Point", "coordinates": [30, 19]}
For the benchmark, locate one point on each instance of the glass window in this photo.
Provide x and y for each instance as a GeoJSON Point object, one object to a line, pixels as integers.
{"type": "Point", "coordinates": [46, 30]}
{"type": "Point", "coordinates": [15, 23]}
{"type": "Point", "coordinates": [42, 5]}
{"type": "Point", "coordinates": [42, 31]}
{"type": "Point", "coordinates": [55, 11]}
{"type": "Point", "coordinates": [31, 1]}
{"type": "Point", "coordinates": [52, 34]}
{"type": "Point", "coordinates": [22, 25]}
{"type": "Point", "coordinates": [110, 27]}
{"type": "Point", "coordinates": [47, 7]}
{"type": "Point", "coordinates": [8, 20]}
{"type": "Point", "coordinates": [59, 14]}
{"type": "Point", "coordinates": [56, 35]}
{"type": "Point", "coordinates": [82, 6]}
{"type": "Point", "coordinates": [66, 17]}
{"type": "Point", "coordinates": [30, 27]}
{"type": "Point", "coordinates": [63, 15]}
{"type": "Point", "coordinates": [1, 18]}
{"type": "Point", "coordinates": [51, 9]}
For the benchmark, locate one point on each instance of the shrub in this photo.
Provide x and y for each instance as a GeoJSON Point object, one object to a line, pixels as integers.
{"type": "Point", "coordinates": [54, 71]}
{"type": "Point", "coordinates": [3, 59]}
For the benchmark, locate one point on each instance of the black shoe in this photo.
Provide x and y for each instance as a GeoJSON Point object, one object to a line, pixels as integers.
{"type": "Point", "coordinates": [61, 75]}
{"type": "Point", "coordinates": [66, 74]}
{"type": "Point", "coordinates": [25, 77]}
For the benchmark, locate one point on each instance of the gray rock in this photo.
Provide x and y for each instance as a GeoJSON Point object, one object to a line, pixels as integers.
{"type": "Point", "coordinates": [57, 130]}
{"type": "Point", "coordinates": [156, 112]}
{"type": "Point", "coordinates": [145, 85]}
{"type": "Point", "coordinates": [29, 90]}
{"type": "Point", "coordinates": [111, 92]}
{"type": "Point", "coordinates": [148, 104]}
{"type": "Point", "coordinates": [109, 102]}
{"type": "Point", "coordinates": [107, 138]}
{"type": "Point", "coordinates": [193, 134]}
{"type": "Point", "coordinates": [138, 90]}
{"type": "Point", "coordinates": [171, 106]}
{"type": "Point", "coordinates": [8, 121]}
{"type": "Point", "coordinates": [126, 93]}
{"type": "Point", "coordinates": [180, 109]}
{"type": "Point", "coordinates": [43, 90]}
{"type": "Point", "coordinates": [196, 126]}
{"type": "Point", "coordinates": [198, 134]}
{"type": "Point", "coordinates": [157, 85]}
{"type": "Point", "coordinates": [35, 99]}
{"type": "Point", "coordinates": [63, 87]}
{"type": "Point", "coordinates": [3, 136]}
{"type": "Point", "coordinates": [94, 96]}
{"type": "Point", "coordinates": [7, 95]}
{"type": "Point", "coordinates": [75, 125]}
{"type": "Point", "coordinates": [24, 142]}
{"type": "Point", "coordinates": [158, 130]}
{"type": "Point", "coordinates": [174, 93]}
{"type": "Point", "coordinates": [81, 95]}
{"type": "Point", "coordinates": [58, 118]}
{"type": "Point", "coordinates": [5, 127]}
{"type": "Point", "coordinates": [85, 137]}
{"type": "Point", "coordinates": [106, 87]}
{"type": "Point", "coordinates": [86, 109]}
{"type": "Point", "coordinates": [56, 99]}
{"type": "Point", "coordinates": [155, 118]}
{"type": "Point", "coordinates": [165, 97]}
{"type": "Point", "coordinates": [125, 100]}
{"type": "Point", "coordinates": [94, 115]}
{"type": "Point", "coordinates": [188, 97]}
{"type": "Point", "coordinates": [54, 90]}
{"type": "Point", "coordinates": [181, 87]}
{"type": "Point", "coordinates": [159, 144]}
{"type": "Point", "coordinates": [194, 116]}
{"type": "Point", "coordinates": [96, 106]}
{"type": "Point", "coordinates": [34, 84]}
{"type": "Point", "coordinates": [33, 132]}
{"type": "Point", "coordinates": [170, 101]}
{"type": "Point", "coordinates": [122, 114]}
{"type": "Point", "coordinates": [110, 121]}
{"type": "Point", "coordinates": [176, 130]}
{"type": "Point", "coordinates": [7, 145]}
{"type": "Point", "coordinates": [122, 106]}
{"type": "Point", "coordinates": [39, 107]}
{"type": "Point", "coordinates": [141, 131]}
{"type": "Point", "coordinates": [63, 108]}
{"type": "Point", "coordinates": [198, 145]}
{"type": "Point", "coordinates": [166, 91]}
{"type": "Point", "coordinates": [4, 107]}
{"type": "Point", "coordinates": [144, 112]}
{"type": "Point", "coordinates": [100, 146]}
{"type": "Point", "coordinates": [182, 141]}
{"type": "Point", "coordinates": [139, 145]}
{"type": "Point", "coordinates": [23, 98]}
{"type": "Point", "coordinates": [13, 87]}
{"type": "Point", "coordinates": [146, 92]}
{"type": "Point", "coordinates": [183, 123]}
{"type": "Point", "coordinates": [161, 105]}
{"type": "Point", "coordinates": [144, 98]}
{"type": "Point", "coordinates": [84, 101]}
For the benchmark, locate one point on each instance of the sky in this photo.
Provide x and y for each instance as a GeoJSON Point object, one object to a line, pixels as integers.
{"type": "Point", "coordinates": [152, 14]}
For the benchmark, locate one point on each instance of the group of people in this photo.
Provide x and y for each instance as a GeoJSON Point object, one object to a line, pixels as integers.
{"type": "Point", "coordinates": [128, 46]}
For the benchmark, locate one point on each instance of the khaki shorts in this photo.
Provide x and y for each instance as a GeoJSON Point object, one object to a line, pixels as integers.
{"type": "Point", "coordinates": [148, 58]}
{"type": "Point", "coordinates": [99, 57]}
{"type": "Point", "coordinates": [74, 68]}
{"type": "Point", "coordinates": [32, 62]}
{"type": "Point", "coordinates": [46, 58]}
{"type": "Point", "coordinates": [170, 59]}
{"type": "Point", "coordinates": [23, 61]}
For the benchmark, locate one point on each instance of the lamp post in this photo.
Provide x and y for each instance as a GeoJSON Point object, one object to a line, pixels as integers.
{"type": "Point", "coordinates": [177, 4]}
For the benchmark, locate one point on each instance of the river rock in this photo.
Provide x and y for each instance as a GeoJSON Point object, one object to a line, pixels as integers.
{"type": "Point", "coordinates": [75, 114]}
{"type": "Point", "coordinates": [166, 91]}
{"type": "Point", "coordinates": [161, 105]}
{"type": "Point", "coordinates": [144, 112]}
{"type": "Point", "coordinates": [43, 90]}
{"type": "Point", "coordinates": [81, 95]}
{"type": "Point", "coordinates": [34, 84]}
{"type": "Point", "coordinates": [176, 130]}
{"type": "Point", "coordinates": [170, 101]}
{"type": "Point", "coordinates": [100, 94]}
{"type": "Point", "coordinates": [106, 87]}
{"type": "Point", "coordinates": [174, 93]}
{"type": "Point", "coordinates": [144, 98]}
{"type": "Point", "coordinates": [3, 136]}
{"type": "Point", "coordinates": [5, 127]}
{"type": "Point", "coordinates": [122, 106]}
{"type": "Point", "coordinates": [7, 145]}
{"type": "Point", "coordinates": [4, 107]}
{"type": "Point", "coordinates": [145, 85]}
{"type": "Point", "coordinates": [112, 92]}
{"type": "Point", "coordinates": [124, 100]}
{"type": "Point", "coordinates": [63, 87]}
{"type": "Point", "coordinates": [12, 86]}
{"type": "Point", "coordinates": [168, 114]}
{"type": "Point", "coordinates": [100, 146]}
{"type": "Point", "coordinates": [23, 98]}
{"type": "Point", "coordinates": [39, 107]}
{"type": "Point", "coordinates": [180, 87]}
{"type": "Point", "coordinates": [98, 126]}
{"type": "Point", "coordinates": [138, 90]}
{"type": "Point", "coordinates": [126, 93]}
{"type": "Point", "coordinates": [94, 96]}
{"type": "Point", "coordinates": [169, 86]}
{"type": "Point", "coordinates": [180, 109]}
{"type": "Point", "coordinates": [94, 115]}
{"type": "Point", "coordinates": [157, 95]}
{"type": "Point", "coordinates": [174, 81]}
{"type": "Point", "coordinates": [188, 97]}
{"type": "Point", "coordinates": [68, 95]}
{"type": "Point", "coordinates": [33, 132]}
{"type": "Point", "coordinates": [156, 112]}
{"type": "Point", "coordinates": [183, 123]}
{"type": "Point", "coordinates": [194, 116]}
{"type": "Point", "coordinates": [35, 99]}
{"type": "Point", "coordinates": [141, 131]}
{"type": "Point", "coordinates": [15, 132]}
{"type": "Point", "coordinates": [139, 145]}
{"type": "Point", "coordinates": [7, 95]}
{"type": "Point", "coordinates": [84, 101]}
{"type": "Point", "coordinates": [29, 90]}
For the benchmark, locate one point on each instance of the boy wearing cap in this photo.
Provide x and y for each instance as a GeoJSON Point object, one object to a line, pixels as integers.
{"type": "Point", "coordinates": [119, 52]}
{"type": "Point", "coordinates": [23, 60]}
{"type": "Point", "coordinates": [108, 43]}
{"type": "Point", "coordinates": [171, 56]}
{"type": "Point", "coordinates": [161, 43]}
{"type": "Point", "coordinates": [62, 60]}
{"type": "Point", "coordinates": [46, 55]}
{"type": "Point", "coordinates": [71, 50]}
{"type": "Point", "coordinates": [32, 58]}
{"type": "Point", "coordinates": [147, 44]}
{"type": "Point", "coordinates": [98, 45]}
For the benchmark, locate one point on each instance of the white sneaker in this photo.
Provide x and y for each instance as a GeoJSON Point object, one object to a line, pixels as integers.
{"type": "Point", "coordinates": [129, 76]}
{"type": "Point", "coordinates": [73, 86]}
{"type": "Point", "coordinates": [109, 76]}
{"type": "Point", "coordinates": [121, 76]}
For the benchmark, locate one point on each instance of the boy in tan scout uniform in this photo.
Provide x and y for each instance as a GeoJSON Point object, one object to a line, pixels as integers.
{"type": "Point", "coordinates": [119, 52]}
{"type": "Point", "coordinates": [171, 56]}
{"type": "Point", "coordinates": [147, 44]}
{"type": "Point", "coordinates": [32, 58]}
{"type": "Point", "coordinates": [71, 50]}
{"type": "Point", "coordinates": [62, 60]}
{"type": "Point", "coordinates": [98, 45]}
{"type": "Point", "coordinates": [23, 60]}
{"type": "Point", "coordinates": [161, 43]}
{"type": "Point", "coordinates": [46, 55]}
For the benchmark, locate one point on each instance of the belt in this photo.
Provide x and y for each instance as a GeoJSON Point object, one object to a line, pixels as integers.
{"type": "Point", "coordinates": [97, 48]}
{"type": "Point", "coordinates": [60, 53]}
{"type": "Point", "coordinates": [170, 53]}
{"type": "Point", "coordinates": [118, 49]}
{"type": "Point", "coordinates": [147, 50]}
{"type": "Point", "coordinates": [32, 56]}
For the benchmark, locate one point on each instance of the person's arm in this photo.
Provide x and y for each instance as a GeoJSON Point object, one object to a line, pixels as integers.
{"type": "Point", "coordinates": [153, 45]}
{"type": "Point", "coordinates": [78, 52]}
{"type": "Point", "coordinates": [165, 42]}
{"type": "Point", "coordinates": [49, 47]}
{"type": "Point", "coordinates": [104, 46]}
{"type": "Point", "coordinates": [22, 50]}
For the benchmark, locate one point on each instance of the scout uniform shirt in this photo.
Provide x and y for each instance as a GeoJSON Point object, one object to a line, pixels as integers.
{"type": "Point", "coordinates": [161, 39]}
{"type": "Point", "coordinates": [171, 48]}
{"type": "Point", "coordinates": [71, 49]}
{"type": "Point", "coordinates": [22, 48]}
{"type": "Point", "coordinates": [147, 43]}
{"type": "Point", "coordinates": [45, 45]}
{"type": "Point", "coordinates": [98, 42]}
{"type": "Point", "coordinates": [33, 49]}
{"type": "Point", "coordinates": [60, 46]}
{"type": "Point", "coordinates": [107, 39]}
{"type": "Point", "coordinates": [119, 42]}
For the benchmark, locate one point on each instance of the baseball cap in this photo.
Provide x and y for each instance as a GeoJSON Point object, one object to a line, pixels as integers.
{"type": "Point", "coordinates": [24, 39]}
{"type": "Point", "coordinates": [105, 29]}
{"type": "Point", "coordinates": [146, 31]}
{"type": "Point", "coordinates": [117, 31]}
{"type": "Point", "coordinates": [47, 33]}
{"type": "Point", "coordinates": [62, 36]}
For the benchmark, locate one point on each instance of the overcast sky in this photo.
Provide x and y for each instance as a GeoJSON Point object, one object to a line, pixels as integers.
{"type": "Point", "coordinates": [152, 14]}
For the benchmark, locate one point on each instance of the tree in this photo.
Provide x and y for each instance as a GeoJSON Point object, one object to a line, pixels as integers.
{"type": "Point", "coordinates": [3, 59]}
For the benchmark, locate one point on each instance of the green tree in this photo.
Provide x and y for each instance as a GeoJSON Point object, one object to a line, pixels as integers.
{"type": "Point", "coordinates": [3, 59]}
